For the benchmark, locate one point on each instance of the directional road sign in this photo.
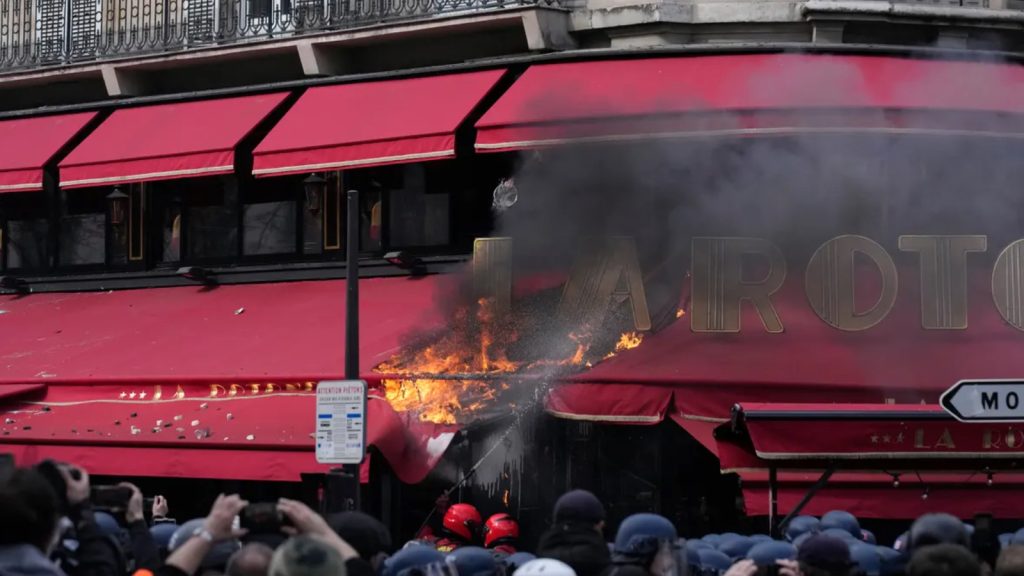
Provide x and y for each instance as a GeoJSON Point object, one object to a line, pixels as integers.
{"type": "Point", "coordinates": [985, 401]}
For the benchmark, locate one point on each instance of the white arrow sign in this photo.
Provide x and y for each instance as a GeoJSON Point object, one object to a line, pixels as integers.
{"type": "Point", "coordinates": [985, 401]}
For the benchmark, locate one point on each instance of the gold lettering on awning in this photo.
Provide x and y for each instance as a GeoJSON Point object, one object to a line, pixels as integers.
{"type": "Point", "coordinates": [830, 282]}
{"type": "Point", "coordinates": [609, 270]}
{"type": "Point", "coordinates": [943, 261]}
{"type": "Point", "coordinates": [719, 287]}
{"type": "Point", "coordinates": [1008, 284]}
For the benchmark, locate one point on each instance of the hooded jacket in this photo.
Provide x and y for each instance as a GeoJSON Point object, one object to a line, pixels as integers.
{"type": "Point", "coordinates": [26, 560]}
{"type": "Point", "coordinates": [578, 545]}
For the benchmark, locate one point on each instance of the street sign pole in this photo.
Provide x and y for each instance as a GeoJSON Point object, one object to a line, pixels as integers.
{"type": "Point", "coordinates": [342, 485]}
{"type": "Point", "coordinates": [985, 401]}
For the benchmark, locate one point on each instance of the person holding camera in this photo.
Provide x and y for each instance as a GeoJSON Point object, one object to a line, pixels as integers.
{"type": "Point", "coordinates": [82, 547]}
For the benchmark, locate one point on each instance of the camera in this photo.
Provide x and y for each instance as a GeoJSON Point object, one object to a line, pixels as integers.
{"type": "Point", "coordinates": [263, 518]}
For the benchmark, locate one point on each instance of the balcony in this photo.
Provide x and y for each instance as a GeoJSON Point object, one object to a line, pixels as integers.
{"type": "Point", "coordinates": [43, 33]}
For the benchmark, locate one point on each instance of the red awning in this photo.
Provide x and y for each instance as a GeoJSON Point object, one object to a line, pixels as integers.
{"type": "Point", "coordinates": [209, 373]}
{"type": "Point", "coordinates": [31, 143]}
{"type": "Point", "coordinates": [166, 141]}
{"type": "Point", "coordinates": [873, 495]}
{"type": "Point", "coordinates": [372, 123]}
{"type": "Point", "coordinates": [795, 435]}
{"type": "Point", "coordinates": [237, 434]}
{"type": "Point", "coordinates": [748, 94]}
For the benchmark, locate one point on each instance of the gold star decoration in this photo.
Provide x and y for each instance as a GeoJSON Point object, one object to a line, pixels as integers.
{"type": "Point", "coordinates": [132, 395]}
{"type": "Point", "coordinates": [123, 394]}
{"type": "Point", "coordinates": [142, 395]}
{"type": "Point", "coordinates": [886, 439]}
{"type": "Point", "coordinates": [874, 438]}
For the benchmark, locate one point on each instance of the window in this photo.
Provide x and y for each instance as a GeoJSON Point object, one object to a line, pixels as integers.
{"type": "Point", "coordinates": [401, 207]}
{"type": "Point", "coordinates": [270, 217]}
{"type": "Point", "coordinates": [24, 232]}
{"type": "Point", "coordinates": [417, 218]}
{"type": "Point", "coordinates": [211, 213]}
{"type": "Point", "coordinates": [83, 226]}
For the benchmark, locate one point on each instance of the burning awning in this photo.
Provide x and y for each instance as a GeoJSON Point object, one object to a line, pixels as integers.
{"type": "Point", "coordinates": [166, 141]}
{"type": "Point", "coordinates": [31, 143]}
{"type": "Point", "coordinates": [749, 94]}
{"type": "Point", "coordinates": [372, 123]}
{"type": "Point", "coordinates": [184, 379]}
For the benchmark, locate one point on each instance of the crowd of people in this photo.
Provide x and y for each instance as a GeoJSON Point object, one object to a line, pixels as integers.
{"type": "Point", "coordinates": [53, 523]}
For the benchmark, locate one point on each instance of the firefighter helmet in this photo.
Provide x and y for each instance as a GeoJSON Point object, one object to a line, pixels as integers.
{"type": "Point", "coordinates": [462, 520]}
{"type": "Point", "coordinates": [500, 529]}
{"type": "Point", "coordinates": [545, 567]}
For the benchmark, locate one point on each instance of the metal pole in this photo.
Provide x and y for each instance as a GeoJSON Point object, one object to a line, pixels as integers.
{"type": "Point", "coordinates": [345, 482]}
{"type": "Point", "coordinates": [773, 501]}
{"type": "Point", "coordinates": [352, 314]}
{"type": "Point", "coordinates": [352, 287]}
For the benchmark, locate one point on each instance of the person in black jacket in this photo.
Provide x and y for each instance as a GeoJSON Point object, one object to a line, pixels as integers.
{"type": "Point", "coordinates": [576, 536]}
{"type": "Point", "coordinates": [94, 553]}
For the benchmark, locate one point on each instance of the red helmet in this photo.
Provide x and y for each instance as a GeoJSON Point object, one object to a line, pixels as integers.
{"type": "Point", "coordinates": [462, 520]}
{"type": "Point", "coordinates": [500, 529]}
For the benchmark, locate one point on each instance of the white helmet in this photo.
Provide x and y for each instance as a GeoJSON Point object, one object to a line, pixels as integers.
{"type": "Point", "coordinates": [544, 567]}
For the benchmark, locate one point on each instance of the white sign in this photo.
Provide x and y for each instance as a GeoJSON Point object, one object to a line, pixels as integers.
{"type": "Point", "coordinates": [985, 401]}
{"type": "Point", "coordinates": [341, 422]}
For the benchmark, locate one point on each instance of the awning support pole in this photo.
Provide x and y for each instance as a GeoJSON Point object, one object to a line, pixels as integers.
{"type": "Point", "coordinates": [814, 489]}
{"type": "Point", "coordinates": [773, 500]}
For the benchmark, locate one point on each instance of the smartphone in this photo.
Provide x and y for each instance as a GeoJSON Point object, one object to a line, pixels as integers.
{"type": "Point", "coordinates": [262, 518]}
{"type": "Point", "coordinates": [110, 497]}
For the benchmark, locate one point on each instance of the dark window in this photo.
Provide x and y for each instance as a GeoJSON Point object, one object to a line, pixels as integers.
{"type": "Point", "coordinates": [83, 226]}
{"type": "Point", "coordinates": [24, 230]}
{"type": "Point", "coordinates": [270, 217]}
{"type": "Point", "coordinates": [400, 207]}
{"type": "Point", "coordinates": [211, 206]}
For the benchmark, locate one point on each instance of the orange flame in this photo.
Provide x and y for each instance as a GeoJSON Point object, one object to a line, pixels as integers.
{"type": "Point", "coordinates": [476, 342]}
{"type": "Point", "coordinates": [506, 497]}
{"type": "Point", "coordinates": [680, 313]}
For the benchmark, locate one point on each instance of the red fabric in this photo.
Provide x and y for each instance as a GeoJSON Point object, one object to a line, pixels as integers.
{"type": "Point", "coordinates": [112, 361]}
{"type": "Point", "coordinates": [372, 123]}
{"type": "Point", "coordinates": [30, 143]}
{"type": "Point", "coordinates": [166, 141]}
{"type": "Point", "coordinates": [613, 403]}
{"type": "Point", "coordinates": [265, 436]}
{"type": "Point", "coordinates": [874, 496]}
{"type": "Point", "coordinates": [793, 433]}
{"type": "Point", "coordinates": [273, 332]}
{"type": "Point", "coordinates": [577, 100]}
{"type": "Point", "coordinates": [813, 362]}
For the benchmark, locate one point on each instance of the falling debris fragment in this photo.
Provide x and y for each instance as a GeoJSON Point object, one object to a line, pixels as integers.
{"type": "Point", "coordinates": [177, 418]}
{"type": "Point", "coordinates": [203, 406]}
{"type": "Point", "coordinates": [117, 422]}
{"type": "Point", "coordinates": [26, 427]}
{"type": "Point", "coordinates": [133, 415]}
{"type": "Point", "coordinates": [159, 422]}
{"type": "Point", "coordinates": [240, 311]}
{"type": "Point", "coordinates": [231, 416]}
{"type": "Point", "coordinates": [195, 423]}
{"type": "Point", "coordinates": [250, 437]}
{"type": "Point", "coordinates": [136, 431]}
{"type": "Point", "coordinates": [9, 421]}
{"type": "Point", "coordinates": [202, 433]}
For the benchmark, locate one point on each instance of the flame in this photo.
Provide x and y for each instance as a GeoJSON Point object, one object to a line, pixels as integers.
{"type": "Point", "coordinates": [627, 341]}
{"type": "Point", "coordinates": [506, 497]}
{"type": "Point", "coordinates": [459, 372]}
{"type": "Point", "coordinates": [680, 313]}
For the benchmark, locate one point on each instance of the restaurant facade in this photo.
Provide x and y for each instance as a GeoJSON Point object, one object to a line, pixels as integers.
{"type": "Point", "coordinates": [173, 276]}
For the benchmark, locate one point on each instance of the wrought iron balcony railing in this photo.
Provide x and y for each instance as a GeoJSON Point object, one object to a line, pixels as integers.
{"type": "Point", "coordinates": [35, 33]}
